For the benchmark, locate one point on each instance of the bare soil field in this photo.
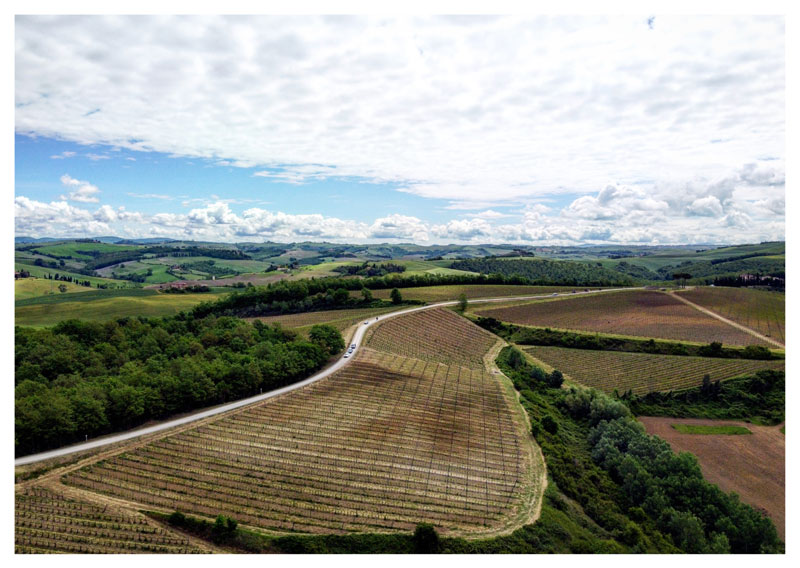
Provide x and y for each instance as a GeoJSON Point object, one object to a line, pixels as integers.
{"type": "Point", "coordinates": [639, 313]}
{"type": "Point", "coordinates": [752, 466]}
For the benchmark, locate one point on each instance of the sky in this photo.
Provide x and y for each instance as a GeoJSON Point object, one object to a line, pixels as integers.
{"type": "Point", "coordinates": [470, 129]}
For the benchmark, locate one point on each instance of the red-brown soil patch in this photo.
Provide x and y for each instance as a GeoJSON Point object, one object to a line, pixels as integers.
{"type": "Point", "coordinates": [753, 466]}
{"type": "Point", "coordinates": [641, 313]}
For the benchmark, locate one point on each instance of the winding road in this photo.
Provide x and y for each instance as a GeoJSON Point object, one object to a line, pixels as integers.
{"type": "Point", "coordinates": [357, 338]}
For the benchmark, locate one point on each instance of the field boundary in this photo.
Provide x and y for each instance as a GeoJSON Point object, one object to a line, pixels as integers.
{"type": "Point", "coordinates": [729, 322]}
{"type": "Point", "coordinates": [531, 507]}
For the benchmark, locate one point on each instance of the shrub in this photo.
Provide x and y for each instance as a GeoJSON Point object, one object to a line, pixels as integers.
{"type": "Point", "coordinates": [426, 539]}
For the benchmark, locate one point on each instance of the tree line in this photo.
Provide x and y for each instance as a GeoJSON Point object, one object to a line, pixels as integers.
{"type": "Point", "coordinates": [80, 378]}
{"type": "Point", "coordinates": [547, 272]}
{"type": "Point", "coordinates": [523, 335]}
{"type": "Point", "coordinates": [633, 485]}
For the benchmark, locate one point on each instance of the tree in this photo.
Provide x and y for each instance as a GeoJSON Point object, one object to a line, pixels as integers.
{"type": "Point", "coordinates": [549, 424]}
{"type": "Point", "coordinates": [367, 294]}
{"type": "Point", "coordinates": [555, 379]}
{"type": "Point", "coordinates": [62, 288]}
{"type": "Point", "coordinates": [681, 278]}
{"type": "Point", "coordinates": [426, 539]}
{"type": "Point", "coordinates": [396, 296]}
{"type": "Point", "coordinates": [462, 302]}
{"type": "Point", "coordinates": [327, 337]}
{"type": "Point", "coordinates": [224, 529]}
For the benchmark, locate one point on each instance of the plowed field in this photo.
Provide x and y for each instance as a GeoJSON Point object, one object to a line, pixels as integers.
{"type": "Point", "coordinates": [752, 466]}
{"type": "Point", "coordinates": [640, 313]}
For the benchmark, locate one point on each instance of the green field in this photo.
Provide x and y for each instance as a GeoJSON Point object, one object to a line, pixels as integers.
{"type": "Point", "coordinates": [150, 304]}
{"type": "Point", "coordinates": [643, 372]}
{"type": "Point", "coordinates": [26, 288]}
{"type": "Point", "coordinates": [711, 430]}
{"type": "Point", "coordinates": [79, 250]}
{"type": "Point", "coordinates": [42, 272]}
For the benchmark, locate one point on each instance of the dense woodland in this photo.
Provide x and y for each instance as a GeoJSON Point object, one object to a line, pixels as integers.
{"type": "Point", "coordinates": [82, 379]}
{"type": "Point", "coordinates": [547, 272]}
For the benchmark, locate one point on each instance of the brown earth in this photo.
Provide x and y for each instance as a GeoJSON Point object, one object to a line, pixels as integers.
{"type": "Point", "coordinates": [638, 313]}
{"type": "Point", "coordinates": [753, 466]}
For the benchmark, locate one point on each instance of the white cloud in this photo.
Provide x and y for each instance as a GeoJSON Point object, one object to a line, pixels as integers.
{"type": "Point", "coordinates": [63, 155]}
{"type": "Point", "coordinates": [82, 191]}
{"type": "Point", "coordinates": [708, 206]}
{"type": "Point", "coordinates": [488, 214]}
{"type": "Point", "coordinates": [499, 110]}
{"type": "Point", "coordinates": [464, 230]}
{"type": "Point", "coordinates": [149, 195]}
{"type": "Point", "coordinates": [398, 227]}
{"type": "Point", "coordinates": [219, 222]}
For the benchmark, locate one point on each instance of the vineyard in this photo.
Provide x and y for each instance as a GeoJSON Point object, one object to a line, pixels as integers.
{"type": "Point", "coordinates": [385, 443]}
{"type": "Point", "coordinates": [436, 335]}
{"type": "Point", "coordinates": [764, 312]}
{"type": "Point", "coordinates": [643, 372]}
{"type": "Point", "coordinates": [46, 522]}
{"type": "Point", "coordinates": [340, 319]}
{"type": "Point", "coordinates": [444, 293]}
{"type": "Point", "coordinates": [640, 313]}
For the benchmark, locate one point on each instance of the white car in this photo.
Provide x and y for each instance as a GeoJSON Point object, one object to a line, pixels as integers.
{"type": "Point", "coordinates": [346, 355]}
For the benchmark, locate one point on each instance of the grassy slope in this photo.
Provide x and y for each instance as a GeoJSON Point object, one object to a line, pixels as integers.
{"type": "Point", "coordinates": [77, 250]}
{"type": "Point", "coordinates": [41, 271]}
{"type": "Point", "coordinates": [26, 288]}
{"type": "Point", "coordinates": [108, 308]}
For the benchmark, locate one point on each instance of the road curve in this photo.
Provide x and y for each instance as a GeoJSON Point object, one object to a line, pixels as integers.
{"type": "Point", "coordinates": [357, 338]}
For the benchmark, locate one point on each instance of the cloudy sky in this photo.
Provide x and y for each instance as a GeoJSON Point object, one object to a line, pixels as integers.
{"type": "Point", "coordinates": [532, 130]}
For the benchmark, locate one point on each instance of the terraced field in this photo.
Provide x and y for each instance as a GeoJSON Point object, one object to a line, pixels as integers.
{"type": "Point", "coordinates": [762, 311]}
{"type": "Point", "coordinates": [387, 442]}
{"type": "Point", "coordinates": [639, 313]}
{"type": "Point", "coordinates": [47, 522]}
{"type": "Point", "coordinates": [643, 372]}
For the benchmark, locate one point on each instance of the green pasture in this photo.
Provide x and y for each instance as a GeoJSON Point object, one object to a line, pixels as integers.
{"type": "Point", "coordinates": [153, 304]}
{"type": "Point", "coordinates": [711, 430]}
